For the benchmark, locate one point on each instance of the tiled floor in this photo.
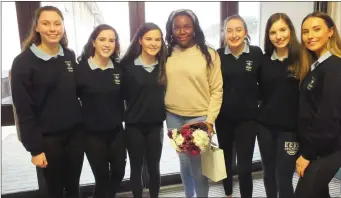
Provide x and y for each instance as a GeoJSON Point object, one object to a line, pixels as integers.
{"type": "Point", "coordinates": [216, 189]}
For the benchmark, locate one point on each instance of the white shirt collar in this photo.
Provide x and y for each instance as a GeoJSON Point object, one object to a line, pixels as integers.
{"type": "Point", "coordinates": [322, 58]}
{"type": "Point", "coordinates": [245, 50]}
{"type": "Point", "coordinates": [274, 56]}
{"type": "Point", "coordinates": [43, 55]}
{"type": "Point", "coordinates": [94, 66]}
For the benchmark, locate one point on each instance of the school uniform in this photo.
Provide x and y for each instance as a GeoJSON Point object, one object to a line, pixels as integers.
{"type": "Point", "coordinates": [319, 126]}
{"type": "Point", "coordinates": [143, 117]}
{"type": "Point", "coordinates": [49, 115]}
{"type": "Point", "coordinates": [99, 91]}
{"type": "Point", "coordinates": [236, 121]}
{"type": "Point", "coordinates": [277, 138]}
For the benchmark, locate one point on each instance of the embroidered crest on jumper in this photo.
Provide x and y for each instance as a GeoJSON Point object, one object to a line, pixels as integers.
{"type": "Point", "coordinates": [291, 147]}
{"type": "Point", "coordinates": [69, 66]}
{"type": "Point", "coordinates": [311, 84]}
{"type": "Point", "coordinates": [248, 66]}
{"type": "Point", "coordinates": [117, 79]}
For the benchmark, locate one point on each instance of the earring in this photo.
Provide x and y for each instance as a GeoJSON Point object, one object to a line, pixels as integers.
{"type": "Point", "coordinates": [194, 35]}
{"type": "Point", "coordinates": [328, 44]}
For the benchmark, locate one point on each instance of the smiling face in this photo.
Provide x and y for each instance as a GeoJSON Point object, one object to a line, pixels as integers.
{"type": "Point", "coordinates": [151, 42]}
{"type": "Point", "coordinates": [50, 27]}
{"type": "Point", "coordinates": [235, 33]}
{"type": "Point", "coordinates": [279, 34]}
{"type": "Point", "coordinates": [316, 34]}
{"type": "Point", "coordinates": [104, 43]}
{"type": "Point", "coordinates": [183, 31]}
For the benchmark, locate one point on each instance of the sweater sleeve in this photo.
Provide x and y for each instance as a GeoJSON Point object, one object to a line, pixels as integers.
{"type": "Point", "coordinates": [325, 129]}
{"type": "Point", "coordinates": [23, 105]}
{"type": "Point", "coordinates": [215, 82]}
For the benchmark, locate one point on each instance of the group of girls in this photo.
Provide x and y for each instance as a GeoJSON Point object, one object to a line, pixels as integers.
{"type": "Point", "coordinates": [67, 107]}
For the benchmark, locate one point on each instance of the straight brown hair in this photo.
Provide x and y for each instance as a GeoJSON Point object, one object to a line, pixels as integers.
{"type": "Point", "coordinates": [34, 36]}
{"type": "Point", "coordinates": [293, 46]}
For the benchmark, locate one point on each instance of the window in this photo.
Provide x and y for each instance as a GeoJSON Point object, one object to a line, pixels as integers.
{"type": "Point", "coordinates": [250, 11]}
{"type": "Point", "coordinates": [116, 14]}
{"type": "Point", "coordinates": [210, 24]}
{"type": "Point", "coordinates": [10, 40]}
{"type": "Point", "coordinates": [18, 173]}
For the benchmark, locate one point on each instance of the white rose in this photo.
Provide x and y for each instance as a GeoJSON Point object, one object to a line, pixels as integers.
{"type": "Point", "coordinates": [174, 133]}
{"type": "Point", "coordinates": [179, 140]}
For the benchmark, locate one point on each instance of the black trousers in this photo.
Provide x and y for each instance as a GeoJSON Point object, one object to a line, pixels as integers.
{"type": "Point", "coordinates": [65, 154]}
{"type": "Point", "coordinates": [279, 152]}
{"type": "Point", "coordinates": [144, 142]}
{"type": "Point", "coordinates": [318, 174]}
{"type": "Point", "coordinates": [107, 156]}
{"type": "Point", "coordinates": [242, 135]}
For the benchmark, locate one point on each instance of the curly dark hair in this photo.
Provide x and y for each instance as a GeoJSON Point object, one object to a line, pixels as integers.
{"type": "Point", "coordinates": [199, 38]}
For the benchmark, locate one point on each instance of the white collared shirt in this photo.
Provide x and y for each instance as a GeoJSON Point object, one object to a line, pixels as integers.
{"type": "Point", "coordinates": [275, 56]}
{"type": "Point", "coordinates": [322, 58]}
{"type": "Point", "coordinates": [43, 55]}
{"type": "Point", "coordinates": [94, 66]}
{"type": "Point", "coordinates": [149, 68]}
{"type": "Point", "coordinates": [245, 50]}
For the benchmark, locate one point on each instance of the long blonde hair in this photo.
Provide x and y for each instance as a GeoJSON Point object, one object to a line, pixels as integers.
{"type": "Point", "coordinates": [334, 45]}
{"type": "Point", "coordinates": [34, 36]}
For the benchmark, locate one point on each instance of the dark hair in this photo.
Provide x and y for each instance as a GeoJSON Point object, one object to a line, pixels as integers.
{"type": "Point", "coordinates": [293, 45]}
{"type": "Point", "coordinates": [334, 44]}
{"type": "Point", "coordinates": [135, 49]}
{"type": "Point", "coordinates": [34, 36]}
{"type": "Point", "coordinates": [199, 37]}
{"type": "Point", "coordinates": [236, 16]}
{"type": "Point", "coordinates": [89, 49]}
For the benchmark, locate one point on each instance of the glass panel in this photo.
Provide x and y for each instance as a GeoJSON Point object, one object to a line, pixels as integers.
{"type": "Point", "coordinates": [10, 39]}
{"type": "Point", "coordinates": [210, 24]}
{"type": "Point", "coordinates": [116, 14]}
{"type": "Point", "coordinates": [250, 11]}
{"type": "Point", "coordinates": [17, 171]}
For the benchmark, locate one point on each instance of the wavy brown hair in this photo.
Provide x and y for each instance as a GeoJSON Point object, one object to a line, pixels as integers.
{"type": "Point", "coordinates": [334, 45]}
{"type": "Point", "coordinates": [89, 49]}
{"type": "Point", "coordinates": [34, 36]}
{"type": "Point", "coordinates": [293, 45]}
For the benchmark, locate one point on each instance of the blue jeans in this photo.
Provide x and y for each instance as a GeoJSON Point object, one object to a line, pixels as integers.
{"type": "Point", "coordinates": [190, 166]}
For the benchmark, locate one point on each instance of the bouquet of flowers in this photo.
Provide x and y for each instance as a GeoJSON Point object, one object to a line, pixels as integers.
{"type": "Point", "coordinates": [191, 138]}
